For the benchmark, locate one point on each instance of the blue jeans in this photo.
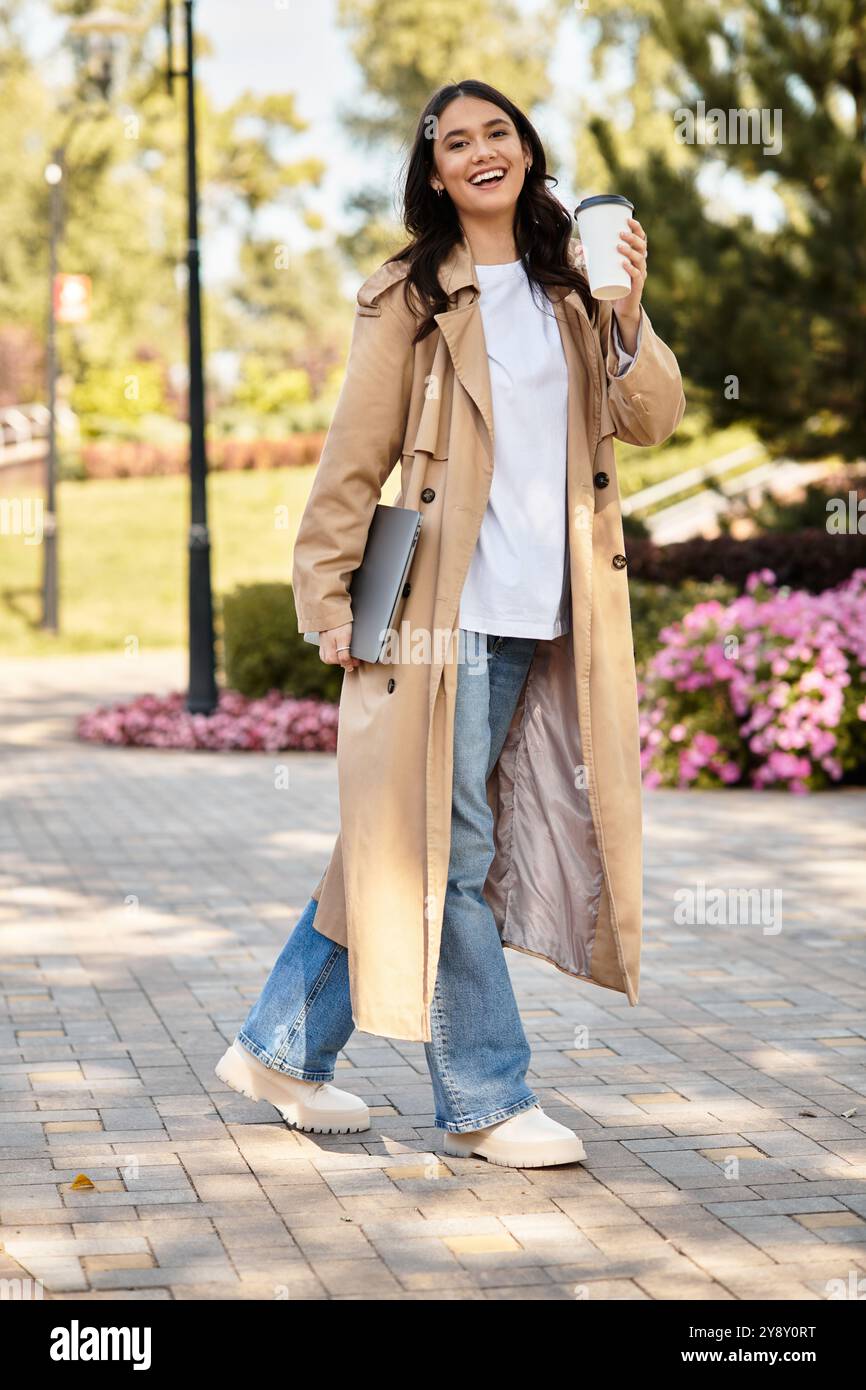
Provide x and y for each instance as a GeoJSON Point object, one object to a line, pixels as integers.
{"type": "Point", "coordinates": [479, 1055]}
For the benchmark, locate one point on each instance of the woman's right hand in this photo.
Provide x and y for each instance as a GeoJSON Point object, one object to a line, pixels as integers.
{"type": "Point", "coordinates": [333, 638]}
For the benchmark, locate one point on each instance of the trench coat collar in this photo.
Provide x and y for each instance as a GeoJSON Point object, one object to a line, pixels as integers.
{"type": "Point", "coordinates": [457, 272]}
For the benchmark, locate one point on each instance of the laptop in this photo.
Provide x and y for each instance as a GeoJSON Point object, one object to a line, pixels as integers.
{"type": "Point", "coordinates": [380, 583]}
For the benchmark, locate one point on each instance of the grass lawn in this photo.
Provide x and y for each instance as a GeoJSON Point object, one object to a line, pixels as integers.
{"type": "Point", "coordinates": [123, 557]}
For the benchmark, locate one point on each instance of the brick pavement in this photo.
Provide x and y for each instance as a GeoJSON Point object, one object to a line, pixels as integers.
{"type": "Point", "coordinates": [143, 898]}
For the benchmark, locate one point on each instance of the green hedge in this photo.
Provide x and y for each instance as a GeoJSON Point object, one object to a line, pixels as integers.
{"type": "Point", "coordinates": [812, 559]}
{"type": "Point", "coordinates": [263, 649]}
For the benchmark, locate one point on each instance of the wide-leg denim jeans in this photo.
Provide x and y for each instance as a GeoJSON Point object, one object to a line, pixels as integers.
{"type": "Point", "coordinates": [478, 1055]}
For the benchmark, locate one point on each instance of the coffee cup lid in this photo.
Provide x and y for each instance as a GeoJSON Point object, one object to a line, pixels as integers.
{"type": "Point", "coordinates": [603, 198]}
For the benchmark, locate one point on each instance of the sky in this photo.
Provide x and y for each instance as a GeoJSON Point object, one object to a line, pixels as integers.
{"type": "Point", "coordinates": [297, 46]}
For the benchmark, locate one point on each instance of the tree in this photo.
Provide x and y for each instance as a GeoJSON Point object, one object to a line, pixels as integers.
{"type": "Point", "coordinates": [770, 323]}
{"type": "Point", "coordinates": [405, 50]}
{"type": "Point", "coordinates": [289, 308]}
{"type": "Point", "coordinates": [124, 209]}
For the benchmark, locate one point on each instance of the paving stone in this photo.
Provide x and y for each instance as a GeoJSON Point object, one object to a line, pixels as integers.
{"type": "Point", "coordinates": [114, 1025]}
{"type": "Point", "coordinates": [773, 1234]}
{"type": "Point", "coordinates": [60, 1275]}
{"type": "Point", "coordinates": [341, 1241]}
{"type": "Point", "coordinates": [166, 1276]}
{"type": "Point", "coordinates": [769, 1285]}
{"type": "Point", "coordinates": [362, 1208]}
{"type": "Point", "coordinates": [536, 1293]}
{"type": "Point", "coordinates": [604, 1290]}
{"type": "Point", "coordinates": [422, 1255]}
{"type": "Point", "coordinates": [708, 1242]}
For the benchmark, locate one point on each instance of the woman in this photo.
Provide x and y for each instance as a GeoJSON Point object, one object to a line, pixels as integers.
{"type": "Point", "coordinates": [489, 773]}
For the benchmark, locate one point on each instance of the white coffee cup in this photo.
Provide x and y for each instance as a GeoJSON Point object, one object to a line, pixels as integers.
{"type": "Point", "coordinates": [601, 221]}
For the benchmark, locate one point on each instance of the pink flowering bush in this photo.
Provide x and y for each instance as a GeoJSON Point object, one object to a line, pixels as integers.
{"type": "Point", "coordinates": [271, 723]}
{"type": "Point", "coordinates": [768, 689]}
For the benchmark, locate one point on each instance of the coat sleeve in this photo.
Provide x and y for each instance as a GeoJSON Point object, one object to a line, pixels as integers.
{"type": "Point", "coordinates": [646, 401]}
{"type": "Point", "coordinates": [362, 445]}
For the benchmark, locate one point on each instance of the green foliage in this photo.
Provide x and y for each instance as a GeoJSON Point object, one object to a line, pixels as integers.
{"type": "Point", "coordinates": [634, 526]}
{"type": "Point", "coordinates": [125, 395]}
{"type": "Point", "coordinates": [406, 49]}
{"type": "Point", "coordinates": [655, 606]}
{"type": "Point", "coordinates": [766, 318]}
{"type": "Point", "coordinates": [122, 219]}
{"type": "Point", "coordinates": [287, 309]}
{"type": "Point", "coordinates": [267, 393]}
{"type": "Point", "coordinates": [264, 650]}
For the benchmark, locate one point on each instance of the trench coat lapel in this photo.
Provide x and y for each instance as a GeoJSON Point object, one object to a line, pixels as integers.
{"type": "Point", "coordinates": [463, 329]}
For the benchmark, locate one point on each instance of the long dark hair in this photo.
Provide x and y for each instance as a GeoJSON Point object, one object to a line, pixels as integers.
{"type": "Point", "coordinates": [542, 226]}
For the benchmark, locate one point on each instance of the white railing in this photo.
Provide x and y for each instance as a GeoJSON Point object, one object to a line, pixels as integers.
{"type": "Point", "coordinates": [24, 431]}
{"type": "Point", "coordinates": [692, 477]}
{"type": "Point", "coordinates": [691, 515]}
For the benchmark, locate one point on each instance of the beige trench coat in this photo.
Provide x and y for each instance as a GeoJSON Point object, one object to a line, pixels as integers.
{"type": "Point", "coordinates": [565, 883]}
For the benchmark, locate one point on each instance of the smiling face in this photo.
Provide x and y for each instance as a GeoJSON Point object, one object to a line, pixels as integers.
{"type": "Point", "coordinates": [478, 157]}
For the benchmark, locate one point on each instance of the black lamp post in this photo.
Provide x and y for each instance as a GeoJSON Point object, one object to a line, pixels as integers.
{"type": "Point", "coordinates": [98, 34]}
{"type": "Point", "coordinates": [202, 694]}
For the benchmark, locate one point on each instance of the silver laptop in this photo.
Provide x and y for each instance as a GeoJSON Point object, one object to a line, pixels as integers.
{"type": "Point", "coordinates": [381, 582]}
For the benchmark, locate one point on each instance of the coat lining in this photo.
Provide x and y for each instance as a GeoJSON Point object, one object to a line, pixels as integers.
{"type": "Point", "coordinates": [544, 884]}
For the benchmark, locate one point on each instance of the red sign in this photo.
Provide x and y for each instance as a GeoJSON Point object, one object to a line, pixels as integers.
{"type": "Point", "coordinates": [72, 298]}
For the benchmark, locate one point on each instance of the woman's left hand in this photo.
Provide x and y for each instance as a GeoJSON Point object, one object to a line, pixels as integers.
{"type": "Point", "coordinates": [633, 245]}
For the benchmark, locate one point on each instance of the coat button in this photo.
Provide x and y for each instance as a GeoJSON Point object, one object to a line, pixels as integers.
{"type": "Point", "coordinates": [407, 589]}
{"type": "Point", "coordinates": [427, 495]}
{"type": "Point", "coordinates": [391, 685]}
{"type": "Point", "coordinates": [619, 562]}
{"type": "Point", "coordinates": [601, 480]}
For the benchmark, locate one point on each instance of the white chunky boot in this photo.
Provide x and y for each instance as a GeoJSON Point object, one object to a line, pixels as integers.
{"type": "Point", "coordinates": [528, 1140]}
{"type": "Point", "coordinates": [316, 1107]}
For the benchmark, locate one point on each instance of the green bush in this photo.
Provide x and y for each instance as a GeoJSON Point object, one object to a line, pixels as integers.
{"type": "Point", "coordinates": [264, 650]}
{"type": "Point", "coordinates": [634, 526]}
{"type": "Point", "coordinates": [655, 606]}
{"type": "Point", "coordinates": [123, 395]}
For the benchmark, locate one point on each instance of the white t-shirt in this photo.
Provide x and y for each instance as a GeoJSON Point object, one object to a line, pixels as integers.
{"type": "Point", "coordinates": [517, 584]}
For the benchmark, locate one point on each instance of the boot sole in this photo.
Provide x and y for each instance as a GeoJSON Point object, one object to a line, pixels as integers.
{"type": "Point", "coordinates": [551, 1156]}
{"type": "Point", "coordinates": [231, 1071]}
